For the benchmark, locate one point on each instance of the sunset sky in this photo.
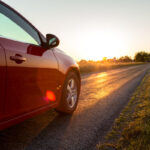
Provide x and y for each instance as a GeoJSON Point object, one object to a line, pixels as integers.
{"type": "Point", "coordinates": [91, 29]}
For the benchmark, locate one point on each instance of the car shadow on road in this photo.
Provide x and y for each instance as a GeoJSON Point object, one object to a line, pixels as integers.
{"type": "Point", "coordinates": [18, 137]}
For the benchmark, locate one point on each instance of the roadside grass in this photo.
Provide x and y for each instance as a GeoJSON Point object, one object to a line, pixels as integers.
{"type": "Point", "coordinates": [131, 131]}
{"type": "Point", "coordinates": [93, 66]}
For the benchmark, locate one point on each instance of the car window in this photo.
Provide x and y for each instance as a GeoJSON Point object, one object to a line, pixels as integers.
{"type": "Point", "coordinates": [12, 26]}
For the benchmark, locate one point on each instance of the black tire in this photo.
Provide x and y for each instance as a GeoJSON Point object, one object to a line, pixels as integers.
{"type": "Point", "coordinates": [66, 105]}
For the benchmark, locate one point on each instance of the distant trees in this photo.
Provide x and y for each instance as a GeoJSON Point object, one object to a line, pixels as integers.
{"type": "Point", "coordinates": [142, 57]}
{"type": "Point", "coordinates": [125, 59]}
{"type": "Point", "coordinates": [122, 59]}
{"type": "Point", "coordinates": [139, 57]}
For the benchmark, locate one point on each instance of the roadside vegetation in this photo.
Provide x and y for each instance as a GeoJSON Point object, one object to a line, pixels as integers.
{"type": "Point", "coordinates": [106, 64]}
{"type": "Point", "coordinates": [96, 66]}
{"type": "Point", "coordinates": [131, 131]}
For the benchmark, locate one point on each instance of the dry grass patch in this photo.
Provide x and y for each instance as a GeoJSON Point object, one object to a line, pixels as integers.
{"type": "Point", "coordinates": [95, 66]}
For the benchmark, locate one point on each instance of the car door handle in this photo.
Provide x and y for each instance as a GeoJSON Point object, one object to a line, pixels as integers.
{"type": "Point", "coordinates": [18, 58]}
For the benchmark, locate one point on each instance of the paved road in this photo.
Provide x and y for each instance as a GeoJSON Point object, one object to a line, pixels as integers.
{"type": "Point", "coordinates": [103, 96]}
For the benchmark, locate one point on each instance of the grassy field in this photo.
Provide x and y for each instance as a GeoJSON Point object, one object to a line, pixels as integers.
{"type": "Point", "coordinates": [95, 66]}
{"type": "Point", "coordinates": [131, 131]}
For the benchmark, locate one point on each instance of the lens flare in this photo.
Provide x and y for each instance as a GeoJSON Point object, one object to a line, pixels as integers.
{"type": "Point", "coordinates": [50, 96]}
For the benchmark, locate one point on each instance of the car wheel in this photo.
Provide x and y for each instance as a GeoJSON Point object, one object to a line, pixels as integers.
{"type": "Point", "coordinates": [70, 94]}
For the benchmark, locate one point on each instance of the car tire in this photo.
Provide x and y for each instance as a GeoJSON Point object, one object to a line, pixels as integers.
{"type": "Point", "coordinates": [70, 94]}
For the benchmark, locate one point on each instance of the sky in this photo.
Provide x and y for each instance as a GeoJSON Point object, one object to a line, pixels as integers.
{"type": "Point", "coordinates": [91, 29]}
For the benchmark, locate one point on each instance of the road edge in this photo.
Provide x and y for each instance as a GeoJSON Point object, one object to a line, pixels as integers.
{"type": "Point", "coordinates": [126, 125]}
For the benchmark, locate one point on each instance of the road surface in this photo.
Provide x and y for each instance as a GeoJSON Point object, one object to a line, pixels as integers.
{"type": "Point", "coordinates": [103, 96]}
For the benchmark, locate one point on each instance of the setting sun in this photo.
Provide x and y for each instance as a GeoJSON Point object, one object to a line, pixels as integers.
{"type": "Point", "coordinates": [97, 44]}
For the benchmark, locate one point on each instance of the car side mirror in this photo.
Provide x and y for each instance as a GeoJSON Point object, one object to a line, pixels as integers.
{"type": "Point", "coordinates": [52, 40]}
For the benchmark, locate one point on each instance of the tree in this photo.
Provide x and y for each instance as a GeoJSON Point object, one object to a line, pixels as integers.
{"type": "Point", "coordinates": [125, 59]}
{"type": "Point", "coordinates": [142, 57]}
{"type": "Point", "coordinates": [104, 58]}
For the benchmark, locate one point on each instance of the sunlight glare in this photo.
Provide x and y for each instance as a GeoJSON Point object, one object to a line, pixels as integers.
{"type": "Point", "coordinates": [99, 44]}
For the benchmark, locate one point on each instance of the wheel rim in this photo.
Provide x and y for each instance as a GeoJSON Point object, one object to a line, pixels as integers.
{"type": "Point", "coordinates": [71, 93]}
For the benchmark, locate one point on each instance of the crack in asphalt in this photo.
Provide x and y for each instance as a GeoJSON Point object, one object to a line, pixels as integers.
{"type": "Point", "coordinates": [103, 96]}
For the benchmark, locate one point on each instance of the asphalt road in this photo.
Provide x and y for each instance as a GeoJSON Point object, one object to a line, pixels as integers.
{"type": "Point", "coordinates": [103, 96]}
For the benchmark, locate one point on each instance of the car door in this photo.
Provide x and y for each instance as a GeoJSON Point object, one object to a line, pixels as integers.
{"type": "Point", "coordinates": [2, 81]}
{"type": "Point", "coordinates": [31, 69]}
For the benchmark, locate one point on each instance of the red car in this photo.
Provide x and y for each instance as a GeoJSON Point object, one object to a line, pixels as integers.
{"type": "Point", "coordinates": [34, 75]}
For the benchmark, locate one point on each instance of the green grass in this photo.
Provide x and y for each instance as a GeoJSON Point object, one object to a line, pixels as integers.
{"type": "Point", "coordinates": [92, 66]}
{"type": "Point", "coordinates": [131, 131]}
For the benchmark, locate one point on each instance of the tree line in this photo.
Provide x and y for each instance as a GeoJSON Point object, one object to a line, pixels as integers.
{"type": "Point", "coordinates": [141, 56]}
